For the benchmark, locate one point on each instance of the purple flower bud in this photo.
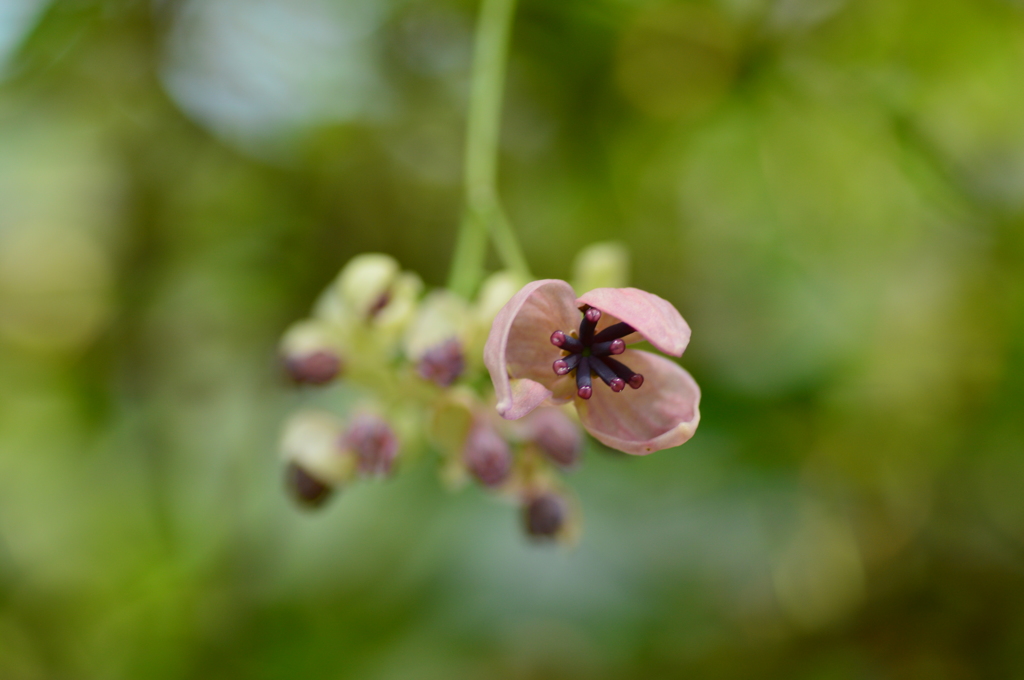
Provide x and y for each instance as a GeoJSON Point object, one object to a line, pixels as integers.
{"type": "Point", "coordinates": [305, 488]}
{"type": "Point", "coordinates": [556, 435]}
{"type": "Point", "coordinates": [373, 442]}
{"type": "Point", "coordinates": [544, 515]}
{"type": "Point", "coordinates": [443, 363]}
{"type": "Point", "coordinates": [311, 352]}
{"type": "Point", "coordinates": [487, 455]}
{"type": "Point", "coordinates": [313, 368]}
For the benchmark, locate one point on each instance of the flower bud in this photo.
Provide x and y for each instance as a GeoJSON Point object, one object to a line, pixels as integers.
{"type": "Point", "coordinates": [373, 443]}
{"type": "Point", "coordinates": [305, 488]}
{"type": "Point", "coordinates": [556, 434]}
{"type": "Point", "coordinates": [370, 289]}
{"type": "Point", "coordinates": [310, 350]}
{"type": "Point", "coordinates": [316, 463]}
{"type": "Point", "coordinates": [441, 317]}
{"type": "Point", "coordinates": [486, 455]}
{"type": "Point", "coordinates": [544, 515]}
{"type": "Point", "coordinates": [495, 291]}
{"type": "Point", "coordinates": [443, 363]}
{"type": "Point", "coordinates": [395, 310]}
{"type": "Point", "coordinates": [601, 265]}
{"type": "Point", "coordinates": [364, 284]}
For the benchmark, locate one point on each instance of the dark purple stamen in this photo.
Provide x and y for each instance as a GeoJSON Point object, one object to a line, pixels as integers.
{"type": "Point", "coordinates": [607, 375]}
{"type": "Point", "coordinates": [592, 353]}
{"type": "Point", "coordinates": [566, 342]}
{"type": "Point", "coordinates": [603, 349]}
{"type": "Point", "coordinates": [589, 323]}
{"type": "Point", "coordinates": [565, 364]}
{"type": "Point", "coordinates": [583, 385]}
{"type": "Point", "coordinates": [634, 380]}
{"type": "Point", "coordinates": [616, 330]}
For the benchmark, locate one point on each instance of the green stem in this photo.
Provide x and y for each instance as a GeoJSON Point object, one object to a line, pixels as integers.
{"type": "Point", "coordinates": [482, 212]}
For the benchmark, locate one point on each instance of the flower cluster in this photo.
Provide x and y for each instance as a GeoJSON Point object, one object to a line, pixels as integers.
{"type": "Point", "coordinates": [407, 370]}
{"type": "Point", "coordinates": [410, 372]}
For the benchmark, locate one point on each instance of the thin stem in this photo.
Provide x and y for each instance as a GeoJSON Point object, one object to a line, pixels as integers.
{"type": "Point", "coordinates": [468, 260]}
{"type": "Point", "coordinates": [506, 243]}
{"type": "Point", "coordinates": [483, 211]}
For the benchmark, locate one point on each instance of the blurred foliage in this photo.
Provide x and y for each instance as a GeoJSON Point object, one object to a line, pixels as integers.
{"type": "Point", "coordinates": [831, 191]}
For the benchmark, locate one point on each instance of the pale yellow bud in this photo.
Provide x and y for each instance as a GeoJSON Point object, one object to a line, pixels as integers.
{"type": "Point", "coordinates": [442, 316]}
{"type": "Point", "coordinates": [400, 304]}
{"type": "Point", "coordinates": [448, 427]}
{"type": "Point", "coordinates": [496, 290]}
{"type": "Point", "coordinates": [601, 265]}
{"type": "Point", "coordinates": [362, 289]}
{"type": "Point", "coordinates": [365, 282]}
{"type": "Point", "coordinates": [451, 420]}
{"type": "Point", "coordinates": [312, 351]}
{"type": "Point", "coordinates": [372, 302]}
{"type": "Point", "coordinates": [312, 440]}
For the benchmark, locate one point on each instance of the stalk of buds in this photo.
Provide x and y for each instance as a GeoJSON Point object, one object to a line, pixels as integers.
{"type": "Point", "coordinates": [416, 366]}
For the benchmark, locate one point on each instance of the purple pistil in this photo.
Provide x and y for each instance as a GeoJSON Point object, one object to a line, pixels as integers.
{"type": "Point", "coordinates": [591, 353]}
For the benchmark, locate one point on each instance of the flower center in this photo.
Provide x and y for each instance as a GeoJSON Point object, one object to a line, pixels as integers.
{"type": "Point", "coordinates": [592, 353]}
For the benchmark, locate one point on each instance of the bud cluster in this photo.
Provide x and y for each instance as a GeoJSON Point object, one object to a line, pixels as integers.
{"type": "Point", "coordinates": [400, 372]}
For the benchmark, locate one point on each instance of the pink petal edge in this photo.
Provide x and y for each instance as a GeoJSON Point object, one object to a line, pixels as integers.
{"type": "Point", "coordinates": [663, 413]}
{"type": "Point", "coordinates": [524, 396]}
{"type": "Point", "coordinates": [653, 317]}
{"type": "Point", "coordinates": [539, 308]}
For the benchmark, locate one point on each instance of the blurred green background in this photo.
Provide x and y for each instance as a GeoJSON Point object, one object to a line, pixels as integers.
{"type": "Point", "coordinates": [831, 191]}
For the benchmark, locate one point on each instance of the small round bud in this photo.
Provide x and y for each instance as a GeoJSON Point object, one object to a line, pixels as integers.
{"type": "Point", "coordinates": [437, 336]}
{"type": "Point", "coordinates": [305, 488]}
{"type": "Point", "coordinates": [310, 350]}
{"type": "Point", "coordinates": [617, 384]}
{"type": "Point", "coordinates": [374, 444]}
{"type": "Point", "coordinates": [316, 368]}
{"type": "Point", "coordinates": [561, 367]}
{"type": "Point", "coordinates": [555, 434]}
{"type": "Point", "coordinates": [636, 381]}
{"type": "Point", "coordinates": [593, 315]}
{"type": "Point", "coordinates": [601, 265]}
{"type": "Point", "coordinates": [585, 392]}
{"type": "Point", "coordinates": [442, 364]}
{"type": "Point", "coordinates": [495, 291]}
{"type": "Point", "coordinates": [558, 339]}
{"type": "Point", "coordinates": [618, 346]}
{"type": "Point", "coordinates": [544, 515]}
{"type": "Point", "coordinates": [487, 455]}
{"type": "Point", "coordinates": [365, 283]}
{"type": "Point", "coordinates": [313, 455]}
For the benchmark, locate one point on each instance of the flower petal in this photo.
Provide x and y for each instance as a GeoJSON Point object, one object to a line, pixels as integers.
{"type": "Point", "coordinates": [519, 353]}
{"type": "Point", "coordinates": [653, 317]}
{"type": "Point", "coordinates": [663, 413]}
{"type": "Point", "coordinates": [524, 395]}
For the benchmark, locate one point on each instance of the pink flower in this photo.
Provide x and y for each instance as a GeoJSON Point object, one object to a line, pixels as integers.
{"type": "Point", "coordinates": [534, 356]}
